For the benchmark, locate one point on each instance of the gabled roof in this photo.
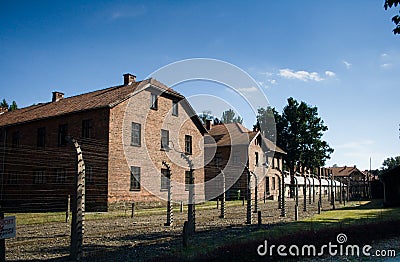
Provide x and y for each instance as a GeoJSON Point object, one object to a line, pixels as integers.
{"type": "Point", "coordinates": [231, 134]}
{"type": "Point", "coordinates": [236, 134]}
{"type": "Point", "coordinates": [345, 171]}
{"type": "Point", "coordinates": [108, 97]}
{"type": "Point", "coordinates": [271, 146]}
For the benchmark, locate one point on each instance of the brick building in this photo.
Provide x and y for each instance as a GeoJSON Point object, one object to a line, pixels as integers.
{"type": "Point", "coordinates": [133, 136]}
{"type": "Point", "coordinates": [355, 179]}
{"type": "Point", "coordinates": [236, 151]}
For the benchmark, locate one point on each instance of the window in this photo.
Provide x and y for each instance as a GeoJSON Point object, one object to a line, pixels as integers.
{"type": "Point", "coordinates": [188, 144]}
{"type": "Point", "coordinates": [62, 134]}
{"type": "Point", "coordinates": [41, 137]}
{"type": "Point", "coordinates": [236, 158]}
{"type": "Point", "coordinates": [40, 177]}
{"type": "Point", "coordinates": [256, 158]}
{"type": "Point", "coordinates": [136, 134]}
{"type": "Point", "coordinates": [164, 139]}
{"type": "Point", "coordinates": [135, 178]}
{"type": "Point", "coordinates": [87, 128]}
{"type": "Point", "coordinates": [218, 159]}
{"type": "Point", "coordinates": [15, 139]}
{"type": "Point", "coordinates": [267, 185]}
{"type": "Point", "coordinates": [60, 176]}
{"type": "Point", "coordinates": [12, 179]}
{"type": "Point", "coordinates": [164, 179]}
{"type": "Point", "coordinates": [89, 174]}
{"type": "Point", "coordinates": [187, 180]}
{"type": "Point", "coordinates": [273, 183]}
{"type": "Point", "coordinates": [174, 108]}
{"type": "Point", "coordinates": [153, 101]}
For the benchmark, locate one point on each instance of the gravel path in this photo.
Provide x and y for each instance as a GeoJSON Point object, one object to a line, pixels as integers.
{"type": "Point", "coordinates": [142, 237]}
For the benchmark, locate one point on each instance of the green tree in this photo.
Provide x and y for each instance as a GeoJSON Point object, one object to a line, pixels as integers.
{"type": "Point", "coordinates": [228, 117]}
{"type": "Point", "coordinates": [390, 163]}
{"type": "Point", "coordinates": [267, 119]}
{"type": "Point", "coordinates": [206, 115]}
{"type": "Point", "coordinates": [300, 132]}
{"type": "Point", "coordinates": [4, 103]}
{"type": "Point", "coordinates": [396, 18]}
{"type": "Point", "coordinates": [11, 107]}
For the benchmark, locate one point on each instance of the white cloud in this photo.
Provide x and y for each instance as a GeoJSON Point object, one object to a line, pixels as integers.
{"type": "Point", "coordinates": [386, 65]}
{"type": "Point", "coordinates": [384, 55]}
{"type": "Point", "coordinates": [300, 75]}
{"type": "Point", "coordinates": [272, 81]}
{"type": "Point", "coordinates": [347, 64]}
{"type": "Point", "coordinates": [248, 89]}
{"type": "Point", "coordinates": [330, 73]}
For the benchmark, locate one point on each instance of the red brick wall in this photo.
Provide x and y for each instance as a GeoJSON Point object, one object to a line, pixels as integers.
{"type": "Point", "coordinates": [149, 155]}
{"type": "Point", "coordinates": [28, 158]}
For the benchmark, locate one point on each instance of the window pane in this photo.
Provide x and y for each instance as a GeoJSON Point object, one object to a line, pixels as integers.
{"type": "Point", "coordinates": [187, 180]}
{"type": "Point", "coordinates": [165, 178]}
{"type": "Point", "coordinates": [62, 135]}
{"type": "Point", "coordinates": [164, 139]}
{"type": "Point", "coordinates": [87, 128]}
{"type": "Point", "coordinates": [188, 144]}
{"type": "Point", "coordinates": [135, 178]}
{"type": "Point", "coordinates": [153, 101]}
{"type": "Point", "coordinates": [136, 134]}
{"type": "Point", "coordinates": [41, 137]}
{"type": "Point", "coordinates": [174, 108]}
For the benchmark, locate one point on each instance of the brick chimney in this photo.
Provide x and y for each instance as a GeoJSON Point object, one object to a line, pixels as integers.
{"type": "Point", "coordinates": [129, 79]}
{"type": "Point", "coordinates": [57, 96]}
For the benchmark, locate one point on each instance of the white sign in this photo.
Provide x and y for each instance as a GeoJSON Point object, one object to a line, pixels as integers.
{"type": "Point", "coordinates": [7, 227]}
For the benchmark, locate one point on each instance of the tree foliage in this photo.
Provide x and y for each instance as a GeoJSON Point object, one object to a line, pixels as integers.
{"type": "Point", "coordinates": [228, 117]}
{"type": "Point", "coordinates": [396, 18]}
{"type": "Point", "coordinates": [11, 107]}
{"type": "Point", "coordinates": [299, 132]}
{"type": "Point", "coordinates": [390, 163]}
{"type": "Point", "coordinates": [266, 122]}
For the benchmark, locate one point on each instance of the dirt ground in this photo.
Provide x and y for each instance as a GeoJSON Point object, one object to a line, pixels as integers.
{"type": "Point", "coordinates": [142, 237]}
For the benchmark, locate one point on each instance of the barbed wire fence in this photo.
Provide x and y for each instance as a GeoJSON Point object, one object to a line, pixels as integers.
{"type": "Point", "coordinates": [39, 184]}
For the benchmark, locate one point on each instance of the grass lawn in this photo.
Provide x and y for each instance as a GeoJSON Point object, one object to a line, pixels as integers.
{"type": "Point", "coordinates": [41, 218]}
{"type": "Point", "coordinates": [363, 222]}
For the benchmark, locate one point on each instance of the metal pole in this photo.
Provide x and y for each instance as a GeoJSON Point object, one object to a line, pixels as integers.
{"type": "Point", "coordinates": [332, 194]}
{"type": "Point", "coordinates": [313, 189]}
{"type": "Point", "coordinates": [256, 194]}
{"type": "Point", "coordinates": [296, 205]}
{"type": "Point", "coordinates": [170, 211]}
{"type": "Point", "coordinates": [222, 215]}
{"type": "Point", "coordinates": [248, 207]}
{"type": "Point", "coordinates": [283, 204]}
{"type": "Point", "coordinates": [191, 210]}
{"type": "Point", "coordinates": [305, 194]}
{"type": "Point", "coordinates": [279, 192]}
{"type": "Point", "coordinates": [320, 191]}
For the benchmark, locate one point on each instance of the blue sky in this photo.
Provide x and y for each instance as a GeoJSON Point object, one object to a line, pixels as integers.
{"type": "Point", "coordinates": [340, 56]}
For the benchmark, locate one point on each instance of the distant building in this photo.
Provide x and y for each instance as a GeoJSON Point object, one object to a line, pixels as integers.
{"type": "Point", "coordinates": [125, 132]}
{"type": "Point", "coordinates": [356, 181]}
{"type": "Point", "coordinates": [239, 152]}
